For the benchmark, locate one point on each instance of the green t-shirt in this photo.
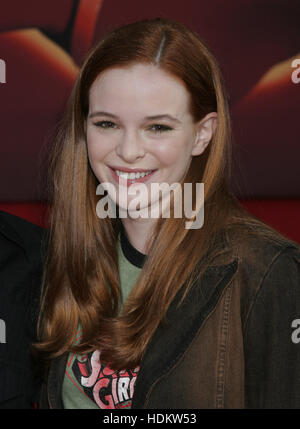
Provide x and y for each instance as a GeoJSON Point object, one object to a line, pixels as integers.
{"type": "Point", "coordinates": [89, 384]}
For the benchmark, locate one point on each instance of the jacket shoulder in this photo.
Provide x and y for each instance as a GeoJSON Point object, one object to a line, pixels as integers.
{"type": "Point", "coordinates": [262, 251]}
{"type": "Point", "coordinates": [258, 246]}
{"type": "Point", "coordinates": [22, 233]}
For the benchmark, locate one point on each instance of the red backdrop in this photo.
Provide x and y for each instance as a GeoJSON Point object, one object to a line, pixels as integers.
{"type": "Point", "coordinates": [255, 41]}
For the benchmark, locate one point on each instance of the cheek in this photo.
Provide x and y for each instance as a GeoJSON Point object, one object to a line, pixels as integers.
{"type": "Point", "coordinates": [97, 148]}
{"type": "Point", "coordinates": [171, 152]}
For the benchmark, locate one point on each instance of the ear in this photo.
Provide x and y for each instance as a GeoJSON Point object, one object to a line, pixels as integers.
{"type": "Point", "coordinates": [204, 131]}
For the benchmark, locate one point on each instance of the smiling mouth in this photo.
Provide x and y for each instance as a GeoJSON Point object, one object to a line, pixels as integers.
{"type": "Point", "coordinates": [132, 176]}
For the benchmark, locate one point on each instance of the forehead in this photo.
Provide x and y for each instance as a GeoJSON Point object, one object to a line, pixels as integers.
{"type": "Point", "coordinates": [146, 89]}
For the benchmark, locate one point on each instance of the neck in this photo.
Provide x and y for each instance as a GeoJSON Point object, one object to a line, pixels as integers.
{"type": "Point", "coordinates": [139, 232]}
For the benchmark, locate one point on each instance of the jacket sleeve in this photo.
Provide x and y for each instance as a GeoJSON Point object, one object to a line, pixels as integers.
{"type": "Point", "coordinates": [272, 337]}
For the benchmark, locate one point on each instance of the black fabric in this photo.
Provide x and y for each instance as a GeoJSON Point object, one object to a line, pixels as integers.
{"type": "Point", "coordinates": [21, 255]}
{"type": "Point", "coordinates": [130, 252]}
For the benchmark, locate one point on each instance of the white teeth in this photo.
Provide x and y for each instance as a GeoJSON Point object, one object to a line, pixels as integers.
{"type": "Point", "coordinates": [131, 176]}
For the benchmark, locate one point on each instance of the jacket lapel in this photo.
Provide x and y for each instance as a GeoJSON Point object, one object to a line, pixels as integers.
{"type": "Point", "coordinates": [54, 383]}
{"type": "Point", "coordinates": [171, 339]}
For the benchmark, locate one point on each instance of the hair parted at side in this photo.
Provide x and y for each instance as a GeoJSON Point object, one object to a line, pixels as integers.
{"type": "Point", "coordinates": [81, 280]}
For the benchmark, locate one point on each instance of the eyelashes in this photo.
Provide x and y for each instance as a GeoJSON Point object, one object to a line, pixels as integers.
{"type": "Point", "coordinates": [101, 123]}
{"type": "Point", "coordinates": [162, 128]}
{"type": "Point", "coordinates": [110, 125]}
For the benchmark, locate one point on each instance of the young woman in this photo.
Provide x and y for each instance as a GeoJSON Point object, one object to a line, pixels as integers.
{"type": "Point", "coordinates": [143, 311]}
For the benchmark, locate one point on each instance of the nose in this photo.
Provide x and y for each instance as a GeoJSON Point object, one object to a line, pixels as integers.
{"type": "Point", "coordinates": [130, 147]}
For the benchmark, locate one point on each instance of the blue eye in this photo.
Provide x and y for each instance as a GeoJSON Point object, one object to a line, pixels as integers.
{"type": "Point", "coordinates": [162, 128]}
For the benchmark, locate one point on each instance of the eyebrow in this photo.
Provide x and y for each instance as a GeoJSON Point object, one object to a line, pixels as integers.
{"type": "Point", "coordinates": [111, 115]}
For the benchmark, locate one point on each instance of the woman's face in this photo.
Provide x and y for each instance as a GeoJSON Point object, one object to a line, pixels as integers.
{"type": "Point", "coordinates": [138, 122]}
